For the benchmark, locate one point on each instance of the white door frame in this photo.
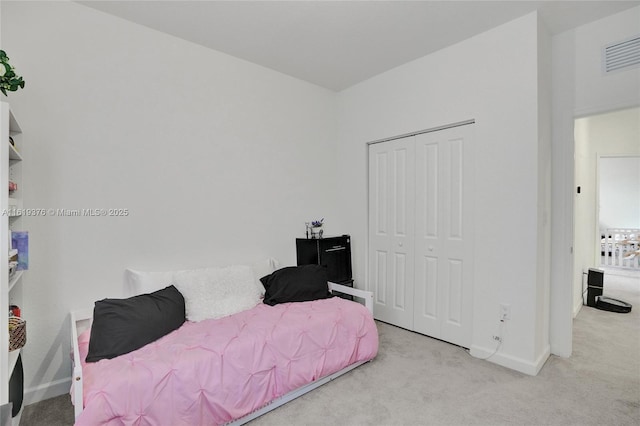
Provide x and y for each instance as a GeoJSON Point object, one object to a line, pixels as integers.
{"type": "Point", "coordinates": [561, 306]}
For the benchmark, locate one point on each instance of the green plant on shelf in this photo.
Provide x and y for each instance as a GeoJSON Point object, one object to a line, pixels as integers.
{"type": "Point", "coordinates": [8, 78]}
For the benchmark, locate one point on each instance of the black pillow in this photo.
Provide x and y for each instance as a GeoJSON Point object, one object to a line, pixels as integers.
{"type": "Point", "coordinates": [296, 284]}
{"type": "Point", "coordinates": [124, 325]}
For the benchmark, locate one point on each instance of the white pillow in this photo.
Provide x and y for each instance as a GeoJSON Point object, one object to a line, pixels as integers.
{"type": "Point", "coordinates": [262, 269]}
{"type": "Point", "coordinates": [140, 282]}
{"type": "Point", "coordinates": [217, 292]}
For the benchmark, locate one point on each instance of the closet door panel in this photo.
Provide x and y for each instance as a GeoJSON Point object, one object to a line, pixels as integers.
{"type": "Point", "coordinates": [379, 277]}
{"type": "Point", "coordinates": [457, 241]}
{"type": "Point", "coordinates": [391, 230]}
{"type": "Point", "coordinates": [429, 289]}
{"type": "Point", "coordinates": [454, 292]}
{"type": "Point", "coordinates": [399, 284]}
{"type": "Point", "coordinates": [454, 190]}
{"type": "Point", "coordinates": [427, 310]}
{"type": "Point", "coordinates": [442, 192]}
{"type": "Point", "coordinates": [427, 174]}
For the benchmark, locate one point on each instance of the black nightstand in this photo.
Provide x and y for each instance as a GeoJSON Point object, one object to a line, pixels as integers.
{"type": "Point", "coordinates": [332, 252]}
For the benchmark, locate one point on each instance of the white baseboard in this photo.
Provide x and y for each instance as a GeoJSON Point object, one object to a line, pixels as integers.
{"type": "Point", "coordinates": [576, 307]}
{"type": "Point", "coordinates": [46, 391]}
{"type": "Point", "coordinates": [514, 363]}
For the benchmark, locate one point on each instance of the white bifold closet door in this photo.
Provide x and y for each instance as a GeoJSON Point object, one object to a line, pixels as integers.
{"type": "Point", "coordinates": [420, 233]}
{"type": "Point", "coordinates": [391, 229]}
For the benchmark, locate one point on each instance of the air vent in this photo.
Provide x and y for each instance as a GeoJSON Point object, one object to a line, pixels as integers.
{"type": "Point", "coordinates": [621, 55]}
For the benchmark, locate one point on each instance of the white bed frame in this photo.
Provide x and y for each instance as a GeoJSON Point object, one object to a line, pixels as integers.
{"type": "Point", "coordinates": [81, 321]}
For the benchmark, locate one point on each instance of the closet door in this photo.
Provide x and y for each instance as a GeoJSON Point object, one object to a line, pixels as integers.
{"type": "Point", "coordinates": [391, 230]}
{"type": "Point", "coordinates": [444, 244]}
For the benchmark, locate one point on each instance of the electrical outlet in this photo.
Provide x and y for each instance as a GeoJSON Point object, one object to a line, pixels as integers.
{"type": "Point", "coordinates": [505, 312]}
{"type": "Point", "coordinates": [497, 338]}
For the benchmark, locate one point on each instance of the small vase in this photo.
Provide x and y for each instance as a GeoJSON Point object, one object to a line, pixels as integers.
{"type": "Point", "coordinates": [316, 232]}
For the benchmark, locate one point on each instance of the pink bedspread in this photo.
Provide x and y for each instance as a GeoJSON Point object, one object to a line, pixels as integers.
{"type": "Point", "coordinates": [214, 371]}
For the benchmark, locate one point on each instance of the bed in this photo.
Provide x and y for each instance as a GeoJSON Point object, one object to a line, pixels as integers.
{"type": "Point", "coordinates": [226, 370]}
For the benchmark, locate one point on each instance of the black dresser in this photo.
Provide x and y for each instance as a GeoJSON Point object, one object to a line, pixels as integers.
{"type": "Point", "coordinates": [332, 252]}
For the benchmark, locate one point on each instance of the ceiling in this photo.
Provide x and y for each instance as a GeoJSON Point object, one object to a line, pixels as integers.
{"type": "Point", "coordinates": [336, 44]}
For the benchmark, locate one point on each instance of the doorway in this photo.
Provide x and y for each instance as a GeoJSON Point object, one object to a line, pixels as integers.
{"type": "Point", "coordinates": [612, 134]}
{"type": "Point", "coordinates": [618, 212]}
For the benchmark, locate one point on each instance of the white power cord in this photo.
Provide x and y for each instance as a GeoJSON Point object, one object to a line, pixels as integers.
{"type": "Point", "coordinates": [497, 347]}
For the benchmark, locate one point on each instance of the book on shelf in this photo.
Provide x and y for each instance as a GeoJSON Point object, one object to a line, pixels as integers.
{"type": "Point", "coordinates": [20, 242]}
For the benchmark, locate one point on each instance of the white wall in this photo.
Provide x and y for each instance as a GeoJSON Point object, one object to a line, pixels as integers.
{"type": "Point", "coordinates": [619, 192]}
{"type": "Point", "coordinates": [580, 88]}
{"type": "Point", "coordinates": [492, 78]}
{"type": "Point", "coordinates": [561, 292]}
{"type": "Point", "coordinates": [596, 92]}
{"type": "Point", "coordinates": [543, 257]}
{"type": "Point", "coordinates": [218, 161]}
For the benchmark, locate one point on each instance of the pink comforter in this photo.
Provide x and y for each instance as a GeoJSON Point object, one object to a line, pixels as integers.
{"type": "Point", "coordinates": [214, 371]}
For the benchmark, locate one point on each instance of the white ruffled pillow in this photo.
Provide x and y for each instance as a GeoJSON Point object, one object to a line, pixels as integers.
{"type": "Point", "coordinates": [217, 292]}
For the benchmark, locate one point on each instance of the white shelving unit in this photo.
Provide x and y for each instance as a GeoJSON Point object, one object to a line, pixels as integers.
{"type": "Point", "coordinates": [10, 206]}
{"type": "Point", "coordinates": [15, 279]}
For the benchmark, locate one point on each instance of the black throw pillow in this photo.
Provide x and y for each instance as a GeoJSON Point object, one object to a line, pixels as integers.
{"type": "Point", "coordinates": [124, 325]}
{"type": "Point", "coordinates": [296, 284]}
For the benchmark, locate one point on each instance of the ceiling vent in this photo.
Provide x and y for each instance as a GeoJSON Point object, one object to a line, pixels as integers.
{"type": "Point", "coordinates": [621, 55]}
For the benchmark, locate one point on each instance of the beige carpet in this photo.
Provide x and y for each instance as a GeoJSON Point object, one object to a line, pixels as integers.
{"type": "Point", "coordinates": [416, 380]}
